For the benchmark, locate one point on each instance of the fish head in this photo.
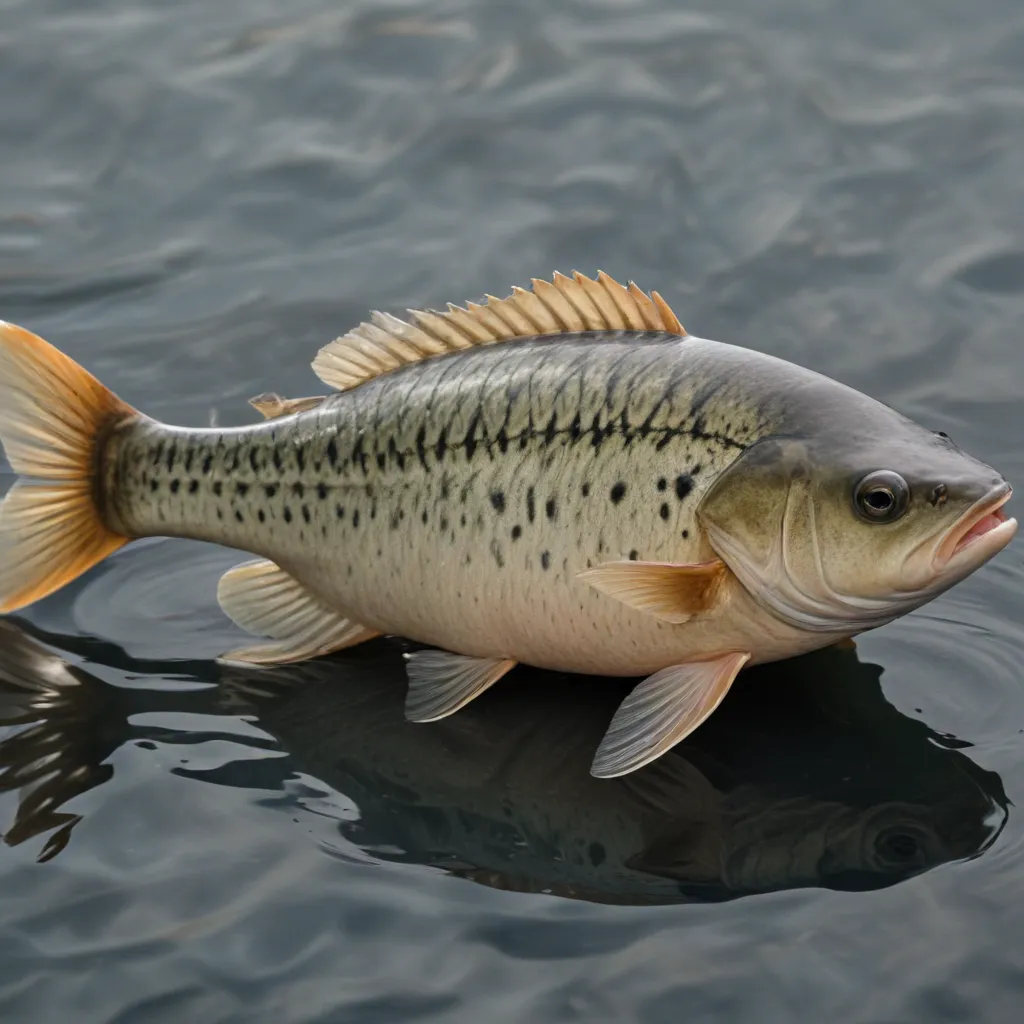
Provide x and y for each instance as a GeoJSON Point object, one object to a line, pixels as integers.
{"type": "Point", "coordinates": [841, 529]}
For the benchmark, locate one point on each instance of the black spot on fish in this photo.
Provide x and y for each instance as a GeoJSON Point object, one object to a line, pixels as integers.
{"type": "Point", "coordinates": [193, 486]}
{"type": "Point", "coordinates": [462, 519]}
{"type": "Point", "coordinates": [253, 463]}
{"type": "Point", "coordinates": [300, 458]}
{"type": "Point", "coordinates": [261, 515]}
{"type": "Point", "coordinates": [358, 455]}
{"type": "Point", "coordinates": [471, 440]}
{"type": "Point", "coordinates": [278, 465]}
{"type": "Point", "coordinates": [207, 464]}
{"type": "Point", "coordinates": [332, 452]}
{"type": "Point", "coordinates": [339, 511]}
{"type": "Point", "coordinates": [218, 488]}
{"type": "Point", "coordinates": [585, 490]}
{"type": "Point", "coordinates": [270, 490]}
{"type": "Point", "coordinates": [502, 439]}
{"type": "Point", "coordinates": [662, 484]}
{"type": "Point", "coordinates": [287, 514]}
{"type": "Point", "coordinates": [424, 517]}
{"type": "Point", "coordinates": [634, 555]}
{"type": "Point", "coordinates": [172, 454]}
{"type": "Point", "coordinates": [545, 559]}
{"type": "Point", "coordinates": [617, 493]}
{"type": "Point", "coordinates": [154, 485]}
{"type": "Point", "coordinates": [394, 520]}
{"type": "Point", "coordinates": [499, 558]}
{"type": "Point", "coordinates": [175, 484]}
{"type": "Point", "coordinates": [395, 454]}
{"type": "Point", "coordinates": [238, 515]}
{"type": "Point", "coordinates": [242, 489]}
{"type": "Point", "coordinates": [663, 512]}
{"type": "Point", "coordinates": [551, 508]}
{"type": "Point", "coordinates": [696, 469]}
{"type": "Point", "coordinates": [188, 461]}
{"type": "Point", "coordinates": [321, 491]}
{"type": "Point", "coordinates": [298, 490]}
{"type": "Point", "coordinates": [684, 484]}
{"type": "Point", "coordinates": [498, 501]}
{"type": "Point", "coordinates": [158, 453]}
{"type": "Point", "coordinates": [442, 445]}
{"type": "Point", "coordinates": [551, 429]}
{"type": "Point", "coordinates": [575, 428]}
{"type": "Point", "coordinates": [220, 514]}
{"type": "Point", "coordinates": [517, 532]}
{"type": "Point", "coordinates": [421, 446]}
{"type": "Point", "coordinates": [531, 508]}
{"type": "Point", "coordinates": [355, 518]}
{"type": "Point", "coordinates": [686, 534]}
{"type": "Point", "coordinates": [444, 523]}
{"type": "Point", "coordinates": [596, 853]}
{"type": "Point", "coordinates": [305, 513]}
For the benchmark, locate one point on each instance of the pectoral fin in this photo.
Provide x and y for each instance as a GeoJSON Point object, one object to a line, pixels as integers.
{"type": "Point", "coordinates": [262, 598]}
{"type": "Point", "coordinates": [668, 591]}
{"type": "Point", "coordinates": [662, 710]}
{"type": "Point", "coordinates": [440, 683]}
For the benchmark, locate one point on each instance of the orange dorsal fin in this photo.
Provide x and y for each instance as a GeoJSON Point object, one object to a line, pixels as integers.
{"type": "Point", "coordinates": [560, 306]}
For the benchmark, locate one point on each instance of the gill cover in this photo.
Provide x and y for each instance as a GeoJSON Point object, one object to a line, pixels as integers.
{"type": "Point", "coordinates": [761, 520]}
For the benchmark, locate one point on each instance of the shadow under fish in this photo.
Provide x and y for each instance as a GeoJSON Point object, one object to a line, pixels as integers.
{"type": "Point", "coordinates": [818, 782]}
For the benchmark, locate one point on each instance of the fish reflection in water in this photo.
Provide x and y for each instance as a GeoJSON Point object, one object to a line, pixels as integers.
{"type": "Point", "coordinates": [820, 782]}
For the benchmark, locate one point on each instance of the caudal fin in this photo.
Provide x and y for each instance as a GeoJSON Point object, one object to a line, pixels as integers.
{"type": "Point", "coordinates": [52, 416]}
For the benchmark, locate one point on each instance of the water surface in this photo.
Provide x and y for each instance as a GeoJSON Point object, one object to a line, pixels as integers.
{"type": "Point", "coordinates": [193, 198]}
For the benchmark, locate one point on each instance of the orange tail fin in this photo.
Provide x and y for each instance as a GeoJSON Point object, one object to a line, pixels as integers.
{"type": "Point", "coordinates": [52, 415]}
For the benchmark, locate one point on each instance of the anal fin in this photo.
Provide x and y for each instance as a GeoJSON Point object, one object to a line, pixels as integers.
{"type": "Point", "coordinates": [440, 682]}
{"type": "Point", "coordinates": [664, 709]}
{"type": "Point", "coordinates": [262, 598]}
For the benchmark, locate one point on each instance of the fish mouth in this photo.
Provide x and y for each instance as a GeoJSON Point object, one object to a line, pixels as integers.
{"type": "Point", "coordinates": [984, 530]}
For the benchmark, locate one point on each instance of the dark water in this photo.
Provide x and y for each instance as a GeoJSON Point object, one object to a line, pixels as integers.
{"type": "Point", "coordinates": [194, 196]}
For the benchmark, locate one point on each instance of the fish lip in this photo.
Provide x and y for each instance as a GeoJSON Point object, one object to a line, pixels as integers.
{"type": "Point", "coordinates": [987, 543]}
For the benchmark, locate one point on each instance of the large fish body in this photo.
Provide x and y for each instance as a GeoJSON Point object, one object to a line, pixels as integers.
{"type": "Point", "coordinates": [456, 502]}
{"type": "Point", "coordinates": [609, 499]}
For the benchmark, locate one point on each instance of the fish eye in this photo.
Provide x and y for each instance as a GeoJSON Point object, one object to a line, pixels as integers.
{"type": "Point", "coordinates": [881, 497]}
{"type": "Point", "coordinates": [897, 846]}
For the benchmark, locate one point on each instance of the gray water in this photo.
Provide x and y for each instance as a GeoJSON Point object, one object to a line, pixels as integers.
{"type": "Point", "coordinates": [194, 196]}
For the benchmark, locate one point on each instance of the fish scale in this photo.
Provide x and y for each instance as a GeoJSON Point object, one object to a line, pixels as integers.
{"type": "Point", "coordinates": [610, 496]}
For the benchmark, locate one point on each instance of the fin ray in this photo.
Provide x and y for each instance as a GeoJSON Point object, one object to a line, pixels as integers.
{"type": "Point", "coordinates": [669, 591]}
{"type": "Point", "coordinates": [271, 406]}
{"type": "Point", "coordinates": [663, 710]}
{"type": "Point", "coordinates": [441, 682]}
{"type": "Point", "coordinates": [263, 598]}
{"type": "Point", "coordinates": [53, 415]}
{"type": "Point", "coordinates": [564, 304]}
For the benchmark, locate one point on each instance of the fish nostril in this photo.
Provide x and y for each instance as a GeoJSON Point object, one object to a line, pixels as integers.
{"type": "Point", "coordinates": [939, 495]}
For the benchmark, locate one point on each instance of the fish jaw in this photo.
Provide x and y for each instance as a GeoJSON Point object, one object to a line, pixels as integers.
{"type": "Point", "coordinates": [981, 533]}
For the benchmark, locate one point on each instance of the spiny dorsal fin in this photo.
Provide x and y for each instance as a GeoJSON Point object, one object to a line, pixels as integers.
{"type": "Point", "coordinates": [560, 306]}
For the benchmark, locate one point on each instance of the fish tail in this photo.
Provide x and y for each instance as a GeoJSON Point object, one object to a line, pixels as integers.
{"type": "Point", "coordinates": [54, 416]}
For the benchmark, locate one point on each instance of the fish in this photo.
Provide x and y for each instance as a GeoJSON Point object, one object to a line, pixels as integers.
{"type": "Point", "coordinates": [501, 795]}
{"type": "Point", "coordinates": [564, 478]}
